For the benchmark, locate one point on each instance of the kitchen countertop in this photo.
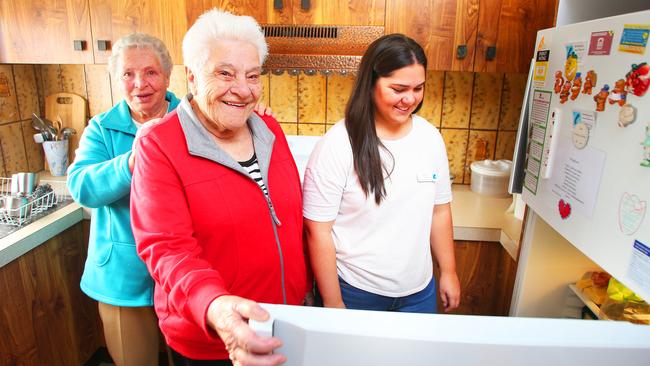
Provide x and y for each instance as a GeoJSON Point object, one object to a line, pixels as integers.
{"type": "Point", "coordinates": [475, 217]}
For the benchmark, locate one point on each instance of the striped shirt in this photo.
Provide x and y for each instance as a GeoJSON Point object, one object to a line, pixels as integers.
{"type": "Point", "coordinates": [253, 168]}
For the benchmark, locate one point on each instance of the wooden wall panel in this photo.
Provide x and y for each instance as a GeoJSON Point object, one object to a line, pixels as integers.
{"type": "Point", "coordinates": [457, 99]}
{"type": "Point", "coordinates": [284, 97]}
{"type": "Point", "coordinates": [98, 88]}
{"type": "Point", "coordinates": [432, 103]}
{"type": "Point", "coordinates": [465, 33]}
{"type": "Point", "coordinates": [488, 31]}
{"type": "Point", "coordinates": [340, 12]}
{"type": "Point", "coordinates": [8, 101]}
{"type": "Point", "coordinates": [505, 145]}
{"type": "Point", "coordinates": [512, 97]}
{"type": "Point", "coordinates": [312, 98]}
{"type": "Point", "coordinates": [486, 101]}
{"type": "Point", "coordinates": [47, 320]}
{"type": "Point", "coordinates": [339, 88]}
{"type": "Point", "coordinates": [13, 148]}
{"type": "Point", "coordinates": [26, 91]}
{"type": "Point", "coordinates": [178, 81]}
{"type": "Point", "coordinates": [33, 151]}
{"type": "Point", "coordinates": [456, 144]}
{"type": "Point", "coordinates": [311, 129]}
{"type": "Point", "coordinates": [73, 79]}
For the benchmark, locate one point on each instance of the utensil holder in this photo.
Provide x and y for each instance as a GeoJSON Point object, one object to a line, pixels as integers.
{"type": "Point", "coordinates": [56, 153]}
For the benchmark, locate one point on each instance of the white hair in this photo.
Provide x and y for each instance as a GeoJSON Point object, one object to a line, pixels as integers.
{"type": "Point", "coordinates": [140, 41]}
{"type": "Point", "coordinates": [215, 25]}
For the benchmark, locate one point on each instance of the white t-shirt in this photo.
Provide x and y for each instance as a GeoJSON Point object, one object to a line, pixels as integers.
{"type": "Point", "coordinates": [381, 249]}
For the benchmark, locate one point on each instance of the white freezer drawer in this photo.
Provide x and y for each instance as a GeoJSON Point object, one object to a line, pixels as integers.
{"type": "Point", "coordinates": [323, 337]}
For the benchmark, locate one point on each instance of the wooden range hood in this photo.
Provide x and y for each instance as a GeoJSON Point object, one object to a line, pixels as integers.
{"type": "Point", "coordinates": [314, 48]}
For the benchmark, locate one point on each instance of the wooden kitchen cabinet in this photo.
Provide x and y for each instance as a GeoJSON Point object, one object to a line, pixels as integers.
{"type": "Point", "coordinates": [486, 273]}
{"type": "Point", "coordinates": [457, 35]}
{"type": "Point", "coordinates": [112, 19]}
{"type": "Point", "coordinates": [34, 31]}
{"type": "Point", "coordinates": [319, 12]}
{"type": "Point", "coordinates": [45, 318]}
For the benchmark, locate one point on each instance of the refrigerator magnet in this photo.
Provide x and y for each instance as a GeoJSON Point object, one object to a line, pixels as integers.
{"type": "Point", "coordinates": [637, 80]}
{"type": "Point", "coordinates": [627, 115]}
{"type": "Point", "coordinates": [564, 209]}
{"type": "Point", "coordinates": [576, 85]}
{"type": "Point", "coordinates": [631, 212]}
{"type": "Point", "coordinates": [571, 64]}
{"type": "Point", "coordinates": [590, 82]}
{"type": "Point", "coordinates": [601, 98]}
{"type": "Point", "coordinates": [600, 43]}
{"type": "Point", "coordinates": [566, 90]}
{"type": "Point", "coordinates": [559, 81]}
{"type": "Point", "coordinates": [618, 94]}
{"type": "Point", "coordinates": [580, 136]}
{"type": "Point", "coordinates": [634, 38]}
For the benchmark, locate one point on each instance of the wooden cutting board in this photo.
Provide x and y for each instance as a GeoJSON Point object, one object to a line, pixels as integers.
{"type": "Point", "coordinates": [72, 110]}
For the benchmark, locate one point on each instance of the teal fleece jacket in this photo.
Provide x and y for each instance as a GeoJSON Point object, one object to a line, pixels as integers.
{"type": "Point", "coordinates": [100, 179]}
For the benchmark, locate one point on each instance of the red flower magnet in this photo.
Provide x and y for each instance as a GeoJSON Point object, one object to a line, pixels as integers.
{"type": "Point", "coordinates": [637, 80]}
{"type": "Point", "coordinates": [565, 209]}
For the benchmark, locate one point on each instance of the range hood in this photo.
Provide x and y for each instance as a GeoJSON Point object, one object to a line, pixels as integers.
{"type": "Point", "coordinates": [313, 48]}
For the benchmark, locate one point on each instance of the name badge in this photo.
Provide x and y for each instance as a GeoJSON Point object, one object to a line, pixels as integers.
{"type": "Point", "coordinates": [427, 177]}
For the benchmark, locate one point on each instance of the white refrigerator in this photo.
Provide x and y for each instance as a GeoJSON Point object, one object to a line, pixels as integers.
{"type": "Point", "coordinates": [587, 162]}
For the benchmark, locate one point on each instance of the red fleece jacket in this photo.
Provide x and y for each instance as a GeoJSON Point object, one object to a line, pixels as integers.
{"type": "Point", "coordinates": [205, 230]}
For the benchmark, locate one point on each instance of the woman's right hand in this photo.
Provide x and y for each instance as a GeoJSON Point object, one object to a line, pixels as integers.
{"type": "Point", "coordinates": [228, 315]}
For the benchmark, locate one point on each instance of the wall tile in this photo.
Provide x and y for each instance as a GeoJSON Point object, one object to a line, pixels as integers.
{"type": "Point", "coordinates": [8, 101]}
{"type": "Point", "coordinates": [505, 145]}
{"type": "Point", "coordinates": [486, 100]}
{"type": "Point", "coordinates": [514, 86]}
{"type": "Point", "coordinates": [34, 151]}
{"type": "Point", "coordinates": [116, 93]}
{"type": "Point", "coordinates": [481, 146]}
{"type": "Point", "coordinates": [73, 79]}
{"type": "Point", "coordinates": [266, 89]}
{"type": "Point", "coordinates": [284, 97]}
{"type": "Point", "coordinates": [178, 81]}
{"type": "Point", "coordinates": [98, 86]}
{"type": "Point", "coordinates": [311, 98]}
{"type": "Point", "coordinates": [289, 128]}
{"type": "Point", "coordinates": [311, 129]}
{"type": "Point", "coordinates": [13, 148]}
{"type": "Point", "coordinates": [26, 90]}
{"type": "Point", "coordinates": [457, 99]}
{"type": "Point", "coordinates": [339, 88]}
{"type": "Point", "coordinates": [456, 144]}
{"type": "Point", "coordinates": [51, 79]}
{"type": "Point", "coordinates": [432, 103]}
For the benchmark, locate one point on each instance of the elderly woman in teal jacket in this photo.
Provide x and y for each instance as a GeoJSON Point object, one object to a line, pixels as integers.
{"type": "Point", "coordinates": [100, 178]}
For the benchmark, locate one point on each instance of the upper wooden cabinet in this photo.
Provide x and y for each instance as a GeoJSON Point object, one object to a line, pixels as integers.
{"type": "Point", "coordinates": [33, 31]}
{"type": "Point", "coordinates": [112, 19]}
{"type": "Point", "coordinates": [473, 35]}
{"type": "Point", "coordinates": [334, 12]}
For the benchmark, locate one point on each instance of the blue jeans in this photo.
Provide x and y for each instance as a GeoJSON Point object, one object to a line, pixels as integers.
{"type": "Point", "coordinates": [423, 301]}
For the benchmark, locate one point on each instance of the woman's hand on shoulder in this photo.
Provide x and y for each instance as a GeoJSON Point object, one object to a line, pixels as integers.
{"type": "Point", "coordinates": [263, 110]}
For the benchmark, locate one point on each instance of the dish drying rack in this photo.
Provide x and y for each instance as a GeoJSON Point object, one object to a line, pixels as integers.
{"type": "Point", "coordinates": [25, 213]}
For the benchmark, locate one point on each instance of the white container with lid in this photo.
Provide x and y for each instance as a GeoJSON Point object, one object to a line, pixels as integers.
{"type": "Point", "coordinates": [490, 177]}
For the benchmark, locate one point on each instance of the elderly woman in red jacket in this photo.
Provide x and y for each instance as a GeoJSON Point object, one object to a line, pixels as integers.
{"type": "Point", "coordinates": [216, 203]}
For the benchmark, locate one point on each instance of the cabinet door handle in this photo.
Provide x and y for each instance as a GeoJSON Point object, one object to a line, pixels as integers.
{"type": "Point", "coordinates": [79, 45]}
{"type": "Point", "coordinates": [103, 45]}
{"type": "Point", "coordinates": [491, 53]}
{"type": "Point", "coordinates": [461, 52]}
{"type": "Point", "coordinates": [305, 4]}
{"type": "Point", "coordinates": [277, 4]}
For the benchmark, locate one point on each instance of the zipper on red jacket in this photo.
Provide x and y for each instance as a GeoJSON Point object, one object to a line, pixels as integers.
{"type": "Point", "coordinates": [275, 223]}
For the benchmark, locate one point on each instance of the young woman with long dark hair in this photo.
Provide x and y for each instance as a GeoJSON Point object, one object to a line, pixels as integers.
{"type": "Point", "coordinates": [377, 193]}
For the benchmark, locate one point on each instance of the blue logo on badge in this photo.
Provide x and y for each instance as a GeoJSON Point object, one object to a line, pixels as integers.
{"type": "Point", "coordinates": [434, 176]}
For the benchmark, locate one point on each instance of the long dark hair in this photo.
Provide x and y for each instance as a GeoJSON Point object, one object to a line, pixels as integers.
{"type": "Point", "coordinates": [381, 59]}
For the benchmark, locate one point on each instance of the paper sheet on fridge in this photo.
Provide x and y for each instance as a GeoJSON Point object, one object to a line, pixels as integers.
{"type": "Point", "coordinates": [577, 174]}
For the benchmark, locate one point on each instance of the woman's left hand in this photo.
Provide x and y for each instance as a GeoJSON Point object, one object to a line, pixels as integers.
{"type": "Point", "coordinates": [449, 291]}
{"type": "Point", "coordinates": [263, 110]}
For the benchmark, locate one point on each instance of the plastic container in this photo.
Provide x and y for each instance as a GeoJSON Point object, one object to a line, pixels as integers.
{"type": "Point", "coordinates": [490, 177]}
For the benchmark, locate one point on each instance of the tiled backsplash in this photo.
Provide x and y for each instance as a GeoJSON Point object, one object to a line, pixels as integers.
{"type": "Point", "coordinates": [477, 113]}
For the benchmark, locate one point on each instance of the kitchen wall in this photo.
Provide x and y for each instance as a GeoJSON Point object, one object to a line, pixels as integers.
{"type": "Point", "coordinates": [477, 113]}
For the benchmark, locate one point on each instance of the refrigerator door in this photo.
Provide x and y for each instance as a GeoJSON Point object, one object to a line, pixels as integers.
{"type": "Point", "coordinates": [588, 162]}
{"type": "Point", "coordinates": [324, 337]}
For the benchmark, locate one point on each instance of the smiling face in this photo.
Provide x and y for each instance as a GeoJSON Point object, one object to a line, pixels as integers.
{"type": "Point", "coordinates": [143, 83]}
{"type": "Point", "coordinates": [229, 86]}
{"type": "Point", "coordinates": [397, 95]}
